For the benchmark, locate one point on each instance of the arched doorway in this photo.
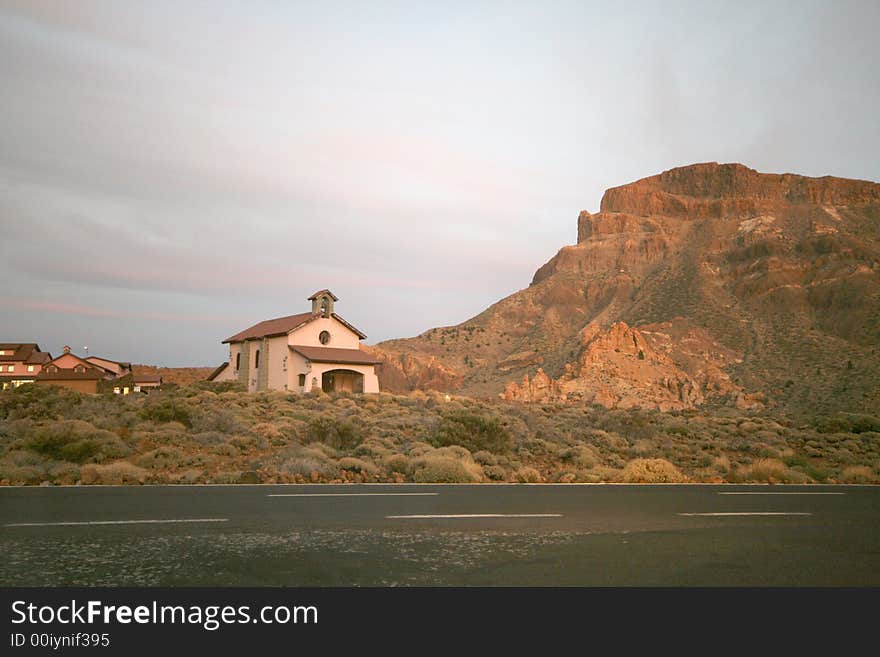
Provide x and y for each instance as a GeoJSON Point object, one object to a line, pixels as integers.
{"type": "Point", "coordinates": [342, 381]}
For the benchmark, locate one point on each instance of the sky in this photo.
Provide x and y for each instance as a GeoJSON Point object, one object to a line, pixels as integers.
{"type": "Point", "coordinates": [173, 172]}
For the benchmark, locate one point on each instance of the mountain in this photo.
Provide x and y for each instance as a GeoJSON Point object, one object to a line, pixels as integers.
{"type": "Point", "coordinates": [709, 283]}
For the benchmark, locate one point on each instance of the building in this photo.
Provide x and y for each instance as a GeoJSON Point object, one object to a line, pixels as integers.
{"type": "Point", "coordinates": [299, 353]}
{"type": "Point", "coordinates": [70, 371]}
{"type": "Point", "coordinates": [21, 362]}
{"type": "Point", "coordinates": [94, 375]}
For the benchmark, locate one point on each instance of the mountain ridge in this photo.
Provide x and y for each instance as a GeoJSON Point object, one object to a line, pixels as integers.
{"type": "Point", "coordinates": [780, 272]}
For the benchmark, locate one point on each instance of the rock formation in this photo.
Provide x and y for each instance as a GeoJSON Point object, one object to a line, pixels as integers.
{"type": "Point", "coordinates": [735, 286]}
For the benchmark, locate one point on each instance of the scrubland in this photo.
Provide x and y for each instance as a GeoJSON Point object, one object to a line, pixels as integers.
{"type": "Point", "coordinates": [214, 433]}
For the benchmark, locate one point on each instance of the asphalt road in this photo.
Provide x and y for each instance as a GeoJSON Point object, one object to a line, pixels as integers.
{"type": "Point", "coordinates": [405, 535]}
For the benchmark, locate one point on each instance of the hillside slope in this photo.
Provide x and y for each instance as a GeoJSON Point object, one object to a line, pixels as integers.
{"type": "Point", "coordinates": [706, 283]}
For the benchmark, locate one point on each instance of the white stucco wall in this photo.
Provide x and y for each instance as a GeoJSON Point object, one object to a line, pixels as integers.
{"type": "Point", "coordinates": [371, 381]}
{"type": "Point", "coordinates": [274, 351]}
{"type": "Point", "coordinates": [278, 366]}
{"type": "Point", "coordinates": [341, 337]}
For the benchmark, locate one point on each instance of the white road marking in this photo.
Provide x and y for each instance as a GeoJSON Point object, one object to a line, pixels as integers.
{"type": "Point", "coordinates": [349, 494]}
{"type": "Point", "coordinates": [480, 515]}
{"type": "Point", "coordinates": [112, 522]}
{"type": "Point", "coordinates": [777, 493]}
{"type": "Point", "coordinates": [749, 513]}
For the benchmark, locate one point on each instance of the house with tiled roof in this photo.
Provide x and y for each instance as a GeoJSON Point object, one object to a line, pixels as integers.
{"type": "Point", "coordinates": [20, 362]}
{"type": "Point", "coordinates": [300, 353]}
{"type": "Point", "coordinates": [94, 374]}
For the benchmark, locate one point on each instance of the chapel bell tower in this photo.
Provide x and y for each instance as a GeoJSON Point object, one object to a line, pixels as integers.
{"type": "Point", "coordinates": [322, 303]}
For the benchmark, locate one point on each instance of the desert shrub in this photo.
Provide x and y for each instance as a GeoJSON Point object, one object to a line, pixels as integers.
{"type": "Point", "coordinates": [269, 431]}
{"type": "Point", "coordinates": [454, 452]}
{"type": "Point", "coordinates": [528, 475]}
{"type": "Point", "coordinates": [121, 472]}
{"type": "Point", "coordinates": [485, 458]}
{"type": "Point", "coordinates": [219, 419]}
{"type": "Point", "coordinates": [858, 474]}
{"type": "Point", "coordinates": [472, 431]}
{"type": "Point", "coordinates": [161, 458]}
{"type": "Point", "coordinates": [579, 455]}
{"type": "Point", "coordinates": [210, 438]}
{"type": "Point", "coordinates": [495, 472]}
{"type": "Point", "coordinates": [21, 475]}
{"type": "Point", "coordinates": [373, 448]}
{"type": "Point", "coordinates": [846, 422]}
{"type": "Point", "coordinates": [445, 470]}
{"type": "Point", "coordinates": [396, 463]}
{"type": "Point", "coordinates": [167, 410]}
{"type": "Point", "coordinates": [76, 441]}
{"type": "Point", "coordinates": [652, 471]}
{"type": "Point", "coordinates": [771, 471]}
{"type": "Point", "coordinates": [339, 434]}
{"type": "Point", "coordinates": [353, 464]}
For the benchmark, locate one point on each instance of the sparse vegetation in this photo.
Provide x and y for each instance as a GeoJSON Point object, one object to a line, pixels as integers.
{"type": "Point", "coordinates": [211, 434]}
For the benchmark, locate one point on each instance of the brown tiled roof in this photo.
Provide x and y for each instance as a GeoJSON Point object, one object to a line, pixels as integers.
{"type": "Point", "coordinates": [70, 375]}
{"type": "Point", "coordinates": [91, 359]}
{"type": "Point", "coordinates": [320, 292]}
{"type": "Point", "coordinates": [26, 352]}
{"type": "Point", "coordinates": [213, 375]}
{"type": "Point", "coordinates": [272, 327]}
{"type": "Point", "coordinates": [334, 355]}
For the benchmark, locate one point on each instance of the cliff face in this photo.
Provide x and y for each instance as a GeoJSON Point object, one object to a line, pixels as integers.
{"type": "Point", "coordinates": [735, 286]}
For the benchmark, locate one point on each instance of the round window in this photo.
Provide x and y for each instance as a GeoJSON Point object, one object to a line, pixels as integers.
{"type": "Point", "coordinates": [324, 337]}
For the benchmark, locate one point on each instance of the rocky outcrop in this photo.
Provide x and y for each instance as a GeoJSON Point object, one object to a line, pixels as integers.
{"type": "Point", "coordinates": [736, 286]}
{"type": "Point", "coordinates": [623, 367]}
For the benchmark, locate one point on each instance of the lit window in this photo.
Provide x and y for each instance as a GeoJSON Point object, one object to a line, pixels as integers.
{"type": "Point", "coordinates": [116, 391]}
{"type": "Point", "coordinates": [30, 368]}
{"type": "Point", "coordinates": [10, 368]}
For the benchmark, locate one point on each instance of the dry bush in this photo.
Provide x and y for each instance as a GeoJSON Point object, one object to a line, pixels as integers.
{"type": "Point", "coordinates": [419, 449]}
{"type": "Point", "coordinates": [643, 447]}
{"type": "Point", "coordinates": [652, 471]}
{"type": "Point", "coordinates": [396, 463]}
{"type": "Point", "coordinates": [161, 458]}
{"type": "Point", "coordinates": [445, 470]}
{"type": "Point", "coordinates": [579, 455]}
{"type": "Point", "coordinates": [268, 431]}
{"type": "Point", "coordinates": [473, 431]}
{"type": "Point", "coordinates": [21, 475]}
{"type": "Point", "coordinates": [375, 449]}
{"type": "Point", "coordinates": [113, 474]}
{"type": "Point", "coordinates": [771, 471]}
{"type": "Point", "coordinates": [495, 472]}
{"type": "Point", "coordinates": [858, 474]}
{"type": "Point", "coordinates": [485, 458]}
{"type": "Point", "coordinates": [74, 440]}
{"type": "Point", "coordinates": [339, 434]}
{"type": "Point", "coordinates": [353, 464]}
{"type": "Point", "coordinates": [529, 475]}
{"type": "Point", "coordinates": [453, 452]}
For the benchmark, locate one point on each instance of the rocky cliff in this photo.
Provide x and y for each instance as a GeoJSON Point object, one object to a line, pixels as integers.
{"type": "Point", "coordinates": [710, 283]}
